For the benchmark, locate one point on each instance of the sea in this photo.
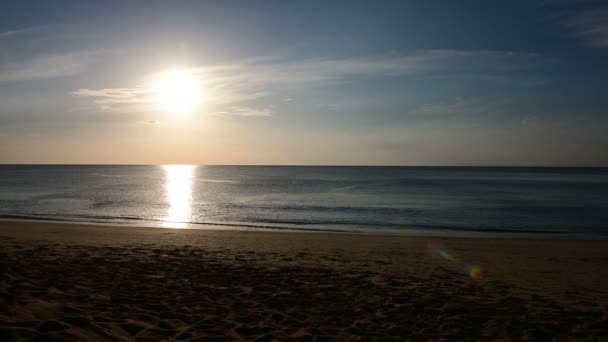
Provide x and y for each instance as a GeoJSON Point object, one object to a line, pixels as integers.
{"type": "Point", "coordinates": [569, 203]}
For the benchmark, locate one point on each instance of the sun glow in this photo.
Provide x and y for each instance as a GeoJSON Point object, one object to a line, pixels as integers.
{"type": "Point", "coordinates": [177, 90]}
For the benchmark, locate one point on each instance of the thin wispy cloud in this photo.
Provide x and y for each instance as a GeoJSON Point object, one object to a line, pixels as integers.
{"type": "Point", "coordinates": [459, 109]}
{"type": "Point", "coordinates": [327, 70]}
{"type": "Point", "coordinates": [230, 87]}
{"type": "Point", "coordinates": [26, 54]}
{"type": "Point", "coordinates": [26, 30]}
{"type": "Point", "coordinates": [117, 95]}
{"type": "Point", "coordinates": [247, 111]}
{"type": "Point", "coordinates": [48, 66]}
{"type": "Point", "coordinates": [591, 26]}
{"type": "Point", "coordinates": [458, 106]}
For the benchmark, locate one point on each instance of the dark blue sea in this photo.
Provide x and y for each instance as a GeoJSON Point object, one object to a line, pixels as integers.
{"type": "Point", "coordinates": [518, 202]}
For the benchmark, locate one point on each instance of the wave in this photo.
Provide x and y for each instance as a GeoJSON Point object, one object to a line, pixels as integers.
{"type": "Point", "coordinates": [112, 219]}
{"type": "Point", "coordinates": [310, 226]}
{"type": "Point", "coordinates": [108, 175]}
{"type": "Point", "coordinates": [217, 180]}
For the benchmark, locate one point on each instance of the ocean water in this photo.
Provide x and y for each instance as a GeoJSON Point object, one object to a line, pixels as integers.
{"type": "Point", "coordinates": [562, 202]}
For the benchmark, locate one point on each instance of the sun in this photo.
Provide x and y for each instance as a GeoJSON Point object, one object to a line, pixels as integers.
{"type": "Point", "coordinates": [176, 90]}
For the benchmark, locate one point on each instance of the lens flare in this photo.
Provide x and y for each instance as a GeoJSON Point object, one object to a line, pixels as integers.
{"type": "Point", "coordinates": [440, 252]}
{"type": "Point", "coordinates": [473, 270]}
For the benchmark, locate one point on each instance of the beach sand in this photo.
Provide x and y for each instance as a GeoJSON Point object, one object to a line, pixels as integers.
{"type": "Point", "coordinates": [77, 282]}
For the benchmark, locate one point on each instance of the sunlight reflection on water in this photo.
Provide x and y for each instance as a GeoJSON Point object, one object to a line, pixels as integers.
{"type": "Point", "coordinates": [178, 188]}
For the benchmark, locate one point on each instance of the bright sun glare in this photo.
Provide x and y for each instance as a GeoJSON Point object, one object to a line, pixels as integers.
{"type": "Point", "coordinates": [177, 90]}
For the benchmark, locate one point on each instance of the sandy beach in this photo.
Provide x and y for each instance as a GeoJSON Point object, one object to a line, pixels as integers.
{"type": "Point", "coordinates": [77, 282]}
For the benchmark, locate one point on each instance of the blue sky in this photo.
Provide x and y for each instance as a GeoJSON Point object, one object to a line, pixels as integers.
{"type": "Point", "coordinates": [307, 82]}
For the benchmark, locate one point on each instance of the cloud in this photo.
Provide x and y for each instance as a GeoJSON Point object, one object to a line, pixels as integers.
{"type": "Point", "coordinates": [117, 95]}
{"type": "Point", "coordinates": [247, 111]}
{"type": "Point", "coordinates": [458, 107]}
{"type": "Point", "coordinates": [26, 55]}
{"type": "Point", "coordinates": [48, 66]}
{"type": "Point", "coordinates": [128, 100]}
{"type": "Point", "coordinates": [445, 108]}
{"type": "Point", "coordinates": [32, 29]}
{"type": "Point", "coordinates": [230, 86]}
{"type": "Point", "coordinates": [305, 72]}
{"type": "Point", "coordinates": [591, 26]}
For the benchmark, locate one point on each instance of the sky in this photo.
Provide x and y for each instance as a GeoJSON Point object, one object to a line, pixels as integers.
{"type": "Point", "coordinates": [512, 83]}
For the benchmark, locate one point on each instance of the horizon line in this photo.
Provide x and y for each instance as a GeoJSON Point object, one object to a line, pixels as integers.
{"type": "Point", "coordinates": [311, 165]}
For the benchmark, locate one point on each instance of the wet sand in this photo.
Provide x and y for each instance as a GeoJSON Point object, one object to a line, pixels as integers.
{"type": "Point", "coordinates": [76, 282]}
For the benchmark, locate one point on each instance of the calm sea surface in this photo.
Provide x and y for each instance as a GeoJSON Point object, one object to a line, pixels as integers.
{"type": "Point", "coordinates": [564, 202]}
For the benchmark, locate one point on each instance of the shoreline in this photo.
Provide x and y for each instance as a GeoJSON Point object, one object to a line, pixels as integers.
{"type": "Point", "coordinates": [72, 281]}
{"type": "Point", "coordinates": [406, 232]}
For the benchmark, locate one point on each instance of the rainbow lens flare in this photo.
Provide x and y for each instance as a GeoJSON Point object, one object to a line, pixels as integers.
{"type": "Point", "coordinates": [474, 271]}
{"type": "Point", "coordinates": [440, 252]}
